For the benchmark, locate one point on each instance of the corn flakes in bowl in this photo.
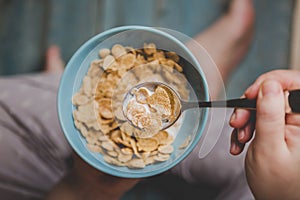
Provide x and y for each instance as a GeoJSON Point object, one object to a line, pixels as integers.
{"type": "Point", "coordinates": [92, 90]}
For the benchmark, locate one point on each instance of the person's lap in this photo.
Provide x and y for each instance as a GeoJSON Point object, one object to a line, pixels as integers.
{"type": "Point", "coordinates": [35, 154]}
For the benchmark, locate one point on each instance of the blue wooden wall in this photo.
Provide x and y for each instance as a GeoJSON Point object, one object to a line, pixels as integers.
{"type": "Point", "coordinates": [28, 27]}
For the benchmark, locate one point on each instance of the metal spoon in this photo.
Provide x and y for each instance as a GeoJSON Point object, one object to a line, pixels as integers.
{"type": "Point", "coordinates": [180, 105]}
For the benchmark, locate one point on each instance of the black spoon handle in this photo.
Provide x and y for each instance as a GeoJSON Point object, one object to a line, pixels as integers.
{"type": "Point", "coordinates": [293, 98]}
{"type": "Point", "coordinates": [232, 103]}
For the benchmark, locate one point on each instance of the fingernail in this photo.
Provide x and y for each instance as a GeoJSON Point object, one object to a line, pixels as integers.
{"type": "Point", "coordinates": [233, 148]}
{"type": "Point", "coordinates": [233, 117]}
{"type": "Point", "coordinates": [271, 88]}
{"type": "Point", "coordinates": [248, 90]}
{"type": "Point", "coordinates": [241, 134]}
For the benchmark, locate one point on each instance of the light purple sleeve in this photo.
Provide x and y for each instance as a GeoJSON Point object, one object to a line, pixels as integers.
{"type": "Point", "coordinates": [219, 169]}
{"type": "Point", "coordinates": [33, 151]}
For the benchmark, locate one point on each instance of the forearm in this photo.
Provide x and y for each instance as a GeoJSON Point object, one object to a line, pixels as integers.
{"type": "Point", "coordinates": [86, 182]}
{"type": "Point", "coordinates": [215, 76]}
{"type": "Point", "coordinates": [72, 187]}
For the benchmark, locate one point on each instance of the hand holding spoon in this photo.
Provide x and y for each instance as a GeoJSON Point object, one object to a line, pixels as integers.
{"type": "Point", "coordinates": [179, 105]}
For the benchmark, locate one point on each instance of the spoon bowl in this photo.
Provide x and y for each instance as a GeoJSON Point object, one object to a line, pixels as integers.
{"type": "Point", "coordinates": [175, 102]}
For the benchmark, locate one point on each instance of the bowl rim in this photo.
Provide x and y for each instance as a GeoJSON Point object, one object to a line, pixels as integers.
{"type": "Point", "coordinates": [60, 99]}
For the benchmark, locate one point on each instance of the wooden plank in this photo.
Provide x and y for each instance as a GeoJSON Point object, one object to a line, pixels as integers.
{"type": "Point", "coordinates": [20, 36]}
{"type": "Point", "coordinates": [70, 24]}
{"type": "Point", "coordinates": [28, 27]}
{"type": "Point", "coordinates": [295, 38]}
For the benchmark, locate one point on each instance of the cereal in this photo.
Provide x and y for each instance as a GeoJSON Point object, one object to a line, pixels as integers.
{"type": "Point", "coordinates": [136, 163]}
{"type": "Point", "coordinates": [162, 137]}
{"type": "Point", "coordinates": [166, 149]}
{"type": "Point", "coordinates": [147, 144]}
{"type": "Point", "coordinates": [173, 56]}
{"type": "Point", "coordinates": [94, 148]}
{"type": "Point", "coordinates": [108, 62]}
{"type": "Point", "coordinates": [104, 52]}
{"type": "Point", "coordinates": [112, 153]}
{"type": "Point", "coordinates": [147, 111]}
{"type": "Point", "coordinates": [185, 143]}
{"type": "Point", "coordinates": [102, 122]}
{"type": "Point", "coordinates": [150, 48]}
{"type": "Point", "coordinates": [118, 50]}
{"type": "Point", "coordinates": [80, 99]}
{"type": "Point", "coordinates": [124, 157]}
{"type": "Point", "coordinates": [160, 101]}
{"type": "Point", "coordinates": [127, 128]}
{"type": "Point", "coordinates": [107, 145]}
{"type": "Point", "coordinates": [103, 138]}
{"type": "Point", "coordinates": [154, 153]}
{"type": "Point", "coordinates": [105, 109]}
{"type": "Point", "coordinates": [161, 157]}
{"type": "Point", "coordinates": [115, 135]}
{"type": "Point", "coordinates": [134, 111]}
{"type": "Point", "coordinates": [81, 127]}
{"type": "Point", "coordinates": [149, 160]}
{"type": "Point", "coordinates": [134, 148]}
{"type": "Point", "coordinates": [126, 151]}
{"type": "Point", "coordinates": [87, 86]}
{"type": "Point", "coordinates": [119, 114]}
{"type": "Point", "coordinates": [112, 161]}
{"type": "Point", "coordinates": [91, 140]}
{"type": "Point", "coordinates": [145, 155]}
{"type": "Point", "coordinates": [83, 114]}
{"type": "Point", "coordinates": [141, 95]}
{"type": "Point", "coordinates": [127, 61]}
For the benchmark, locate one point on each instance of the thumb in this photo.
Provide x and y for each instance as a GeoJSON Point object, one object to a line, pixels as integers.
{"type": "Point", "coordinates": [270, 115]}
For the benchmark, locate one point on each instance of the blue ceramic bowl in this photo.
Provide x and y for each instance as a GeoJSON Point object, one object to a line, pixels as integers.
{"type": "Point", "coordinates": [193, 122]}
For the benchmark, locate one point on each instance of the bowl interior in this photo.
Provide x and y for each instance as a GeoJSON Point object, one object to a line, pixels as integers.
{"type": "Point", "coordinates": [193, 121]}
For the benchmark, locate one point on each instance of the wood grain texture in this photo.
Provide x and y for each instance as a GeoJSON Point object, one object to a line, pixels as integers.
{"type": "Point", "coordinates": [295, 38]}
{"type": "Point", "coordinates": [27, 28]}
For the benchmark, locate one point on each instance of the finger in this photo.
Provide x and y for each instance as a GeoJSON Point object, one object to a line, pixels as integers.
{"type": "Point", "coordinates": [235, 146]}
{"type": "Point", "coordinates": [292, 119]}
{"type": "Point", "coordinates": [288, 79]}
{"type": "Point", "coordinates": [54, 62]}
{"type": "Point", "coordinates": [245, 134]}
{"type": "Point", "coordinates": [239, 118]}
{"type": "Point", "coordinates": [293, 138]}
{"type": "Point", "coordinates": [270, 115]}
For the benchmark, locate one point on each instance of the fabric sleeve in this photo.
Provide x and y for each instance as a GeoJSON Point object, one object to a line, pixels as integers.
{"type": "Point", "coordinates": [219, 171]}
{"type": "Point", "coordinates": [33, 151]}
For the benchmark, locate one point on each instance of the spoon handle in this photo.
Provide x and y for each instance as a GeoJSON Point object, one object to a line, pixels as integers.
{"type": "Point", "coordinates": [232, 103]}
{"type": "Point", "coordinates": [293, 101]}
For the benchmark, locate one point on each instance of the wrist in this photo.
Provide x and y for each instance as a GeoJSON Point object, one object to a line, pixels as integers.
{"type": "Point", "coordinates": [89, 181]}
